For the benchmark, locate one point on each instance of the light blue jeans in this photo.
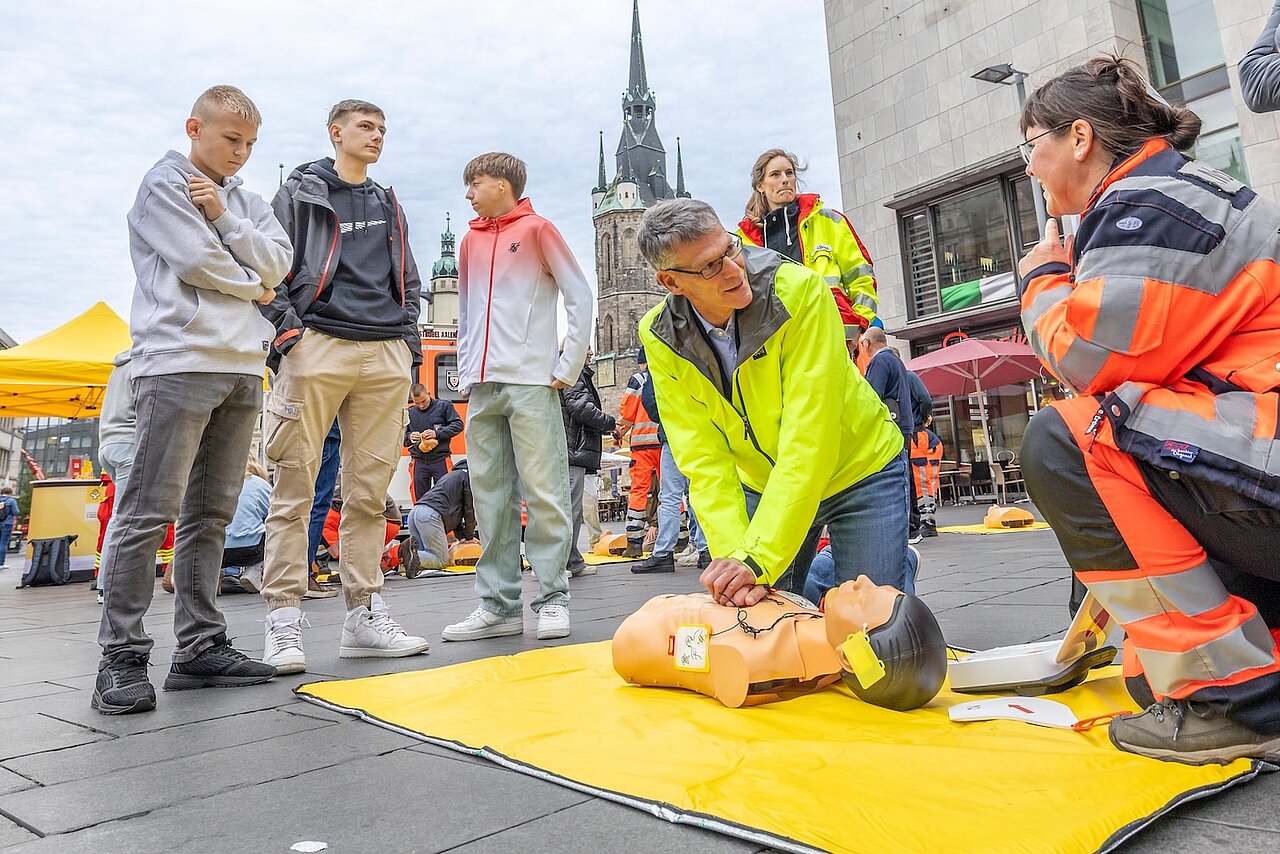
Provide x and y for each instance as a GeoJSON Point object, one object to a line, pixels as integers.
{"type": "Point", "coordinates": [427, 530]}
{"type": "Point", "coordinates": [673, 486]}
{"type": "Point", "coordinates": [516, 449]}
{"type": "Point", "coordinates": [867, 524]}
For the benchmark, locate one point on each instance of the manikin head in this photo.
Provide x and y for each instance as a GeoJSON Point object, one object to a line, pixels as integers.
{"type": "Point", "coordinates": [901, 636]}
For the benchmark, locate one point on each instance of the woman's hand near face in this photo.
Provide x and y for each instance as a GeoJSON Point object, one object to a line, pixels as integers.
{"type": "Point", "coordinates": [1048, 251]}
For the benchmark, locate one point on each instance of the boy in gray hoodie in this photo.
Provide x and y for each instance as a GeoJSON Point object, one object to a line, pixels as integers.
{"type": "Point", "coordinates": [206, 252]}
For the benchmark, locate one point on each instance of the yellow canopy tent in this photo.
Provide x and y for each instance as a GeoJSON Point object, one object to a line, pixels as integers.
{"type": "Point", "coordinates": [64, 372]}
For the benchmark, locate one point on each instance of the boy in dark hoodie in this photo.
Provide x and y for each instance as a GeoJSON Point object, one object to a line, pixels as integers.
{"type": "Point", "coordinates": [347, 346]}
{"type": "Point", "coordinates": [204, 250]}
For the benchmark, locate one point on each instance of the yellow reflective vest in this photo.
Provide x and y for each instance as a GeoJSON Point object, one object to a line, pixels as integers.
{"type": "Point", "coordinates": [794, 420]}
{"type": "Point", "coordinates": [832, 250]}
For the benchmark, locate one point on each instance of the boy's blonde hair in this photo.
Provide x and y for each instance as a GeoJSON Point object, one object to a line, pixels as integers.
{"type": "Point", "coordinates": [497, 164]}
{"type": "Point", "coordinates": [226, 99]}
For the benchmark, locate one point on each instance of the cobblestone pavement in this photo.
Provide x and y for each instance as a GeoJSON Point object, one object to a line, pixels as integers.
{"type": "Point", "coordinates": [254, 770]}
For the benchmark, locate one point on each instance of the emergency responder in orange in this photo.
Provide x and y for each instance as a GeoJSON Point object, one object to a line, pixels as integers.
{"type": "Point", "coordinates": [635, 424]}
{"type": "Point", "coordinates": [801, 227]}
{"type": "Point", "coordinates": [926, 468]}
{"type": "Point", "coordinates": [1163, 316]}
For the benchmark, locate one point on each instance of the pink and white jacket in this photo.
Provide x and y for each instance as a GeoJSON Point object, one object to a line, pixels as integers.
{"type": "Point", "coordinates": [510, 271]}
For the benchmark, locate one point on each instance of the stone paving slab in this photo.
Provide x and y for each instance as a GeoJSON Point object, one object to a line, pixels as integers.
{"type": "Point", "coordinates": [255, 769]}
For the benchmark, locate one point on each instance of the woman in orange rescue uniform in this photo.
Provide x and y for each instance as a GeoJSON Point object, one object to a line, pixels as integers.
{"type": "Point", "coordinates": [1160, 477]}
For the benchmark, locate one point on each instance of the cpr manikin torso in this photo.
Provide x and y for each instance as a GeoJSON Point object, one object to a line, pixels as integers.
{"type": "Point", "coordinates": [778, 648]}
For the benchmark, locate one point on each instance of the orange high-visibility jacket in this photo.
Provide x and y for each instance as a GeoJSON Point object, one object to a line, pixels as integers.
{"type": "Point", "coordinates": [1170, 314]}
{"type": "Point", "coordinates": [642, 430]}
{"type": "Point", "coordinates": [926, 462]}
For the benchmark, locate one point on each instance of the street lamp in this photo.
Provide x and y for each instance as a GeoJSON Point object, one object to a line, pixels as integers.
{"type": "Point", "coordinates": [1007, 75]}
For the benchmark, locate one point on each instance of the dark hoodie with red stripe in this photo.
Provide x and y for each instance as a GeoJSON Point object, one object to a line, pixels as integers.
{"type": "Point", "coordinates": [353, 274]}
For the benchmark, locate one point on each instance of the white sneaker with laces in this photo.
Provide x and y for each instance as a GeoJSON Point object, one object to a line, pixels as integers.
{"type": "Point", "coordinates": [371, 633]}
{"type": "Point", "coordinates": [282, 648]}
{"type": "Point", "coordinates": [553, 622]}
{"type": "Point", "coordinates": [483, 624]}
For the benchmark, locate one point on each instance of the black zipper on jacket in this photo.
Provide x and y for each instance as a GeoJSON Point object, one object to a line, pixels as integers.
{"type": "Point", "coordinates": [746, 420]}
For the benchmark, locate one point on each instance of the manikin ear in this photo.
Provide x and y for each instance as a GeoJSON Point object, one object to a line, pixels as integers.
{"type": "Point", "coordinates": [193, 128]}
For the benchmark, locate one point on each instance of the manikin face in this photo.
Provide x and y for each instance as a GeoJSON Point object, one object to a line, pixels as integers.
{"type": "Point", "coordinates": [221, 145]}
{"type": "Point", "coordinates": [857, 605]}
{"type": "Point", "coordinates": [359, 136]}
{"type": "Point", "coordinates": [779, 184]}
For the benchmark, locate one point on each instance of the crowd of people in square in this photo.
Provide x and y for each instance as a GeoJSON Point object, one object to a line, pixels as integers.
{"type": "Point", "coordinates": [783, 436]}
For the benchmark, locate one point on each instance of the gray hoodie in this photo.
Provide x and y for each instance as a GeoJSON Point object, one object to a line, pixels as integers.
{"type": "Point", "coordinates": [194, 307]}
{"type": "Point", "coordinates": [118, 419]}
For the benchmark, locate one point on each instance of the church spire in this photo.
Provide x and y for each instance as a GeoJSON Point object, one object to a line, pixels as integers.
{"type": "Point", "coordinates": [447, 266]}
{"type": "Point", "coordinates": [681, 192]}
{"type": "Point", "coordinates": [638, 83]}
{"type": "Point", "coordinates": [602, 182]}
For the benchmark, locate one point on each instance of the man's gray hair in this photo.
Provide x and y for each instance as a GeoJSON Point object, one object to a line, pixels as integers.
{"type": "Point", "coordinates": [673, 222]}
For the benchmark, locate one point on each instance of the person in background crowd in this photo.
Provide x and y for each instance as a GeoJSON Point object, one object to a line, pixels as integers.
{"type": "Point", "coordinates": [1161, 315]}
{"type": "Point", "coordinates": [432, 425]}
{"type": "Point", "coordinates": [890, 379]}
{"type": "Point", "coordinates": [926, 465]}
{"type": "Point", "coordinates": [801, 227]}
{"type": "Point", "coordinates": [8, 516]}
{"type": "Point", "coordinates": [1260, 67]}
{"type": "Point", "coordinates": [445, 508]}
{"type": "Point", "coordinates": [585, 425]}
{"type": "Point", "coordinates": [246, 535]}
{"type": "Point", "coordinates": [641, 432]}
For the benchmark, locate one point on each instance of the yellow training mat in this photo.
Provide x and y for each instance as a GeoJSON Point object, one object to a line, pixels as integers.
{"type": "Point", "coordinates": [820, 771]}
{"type": "Point", "coordinates": [451, 569]}
{"type": "Point", "coordinates": [983, 529]}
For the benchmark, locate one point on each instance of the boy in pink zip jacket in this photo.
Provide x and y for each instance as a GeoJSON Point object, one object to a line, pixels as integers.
{"type": "Point", "coordinates": [512, 268]}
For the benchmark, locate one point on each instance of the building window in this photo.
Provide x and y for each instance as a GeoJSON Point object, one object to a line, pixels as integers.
{"type": "Point", "coordinates": [959, 251]}
{"type": "Point", "coordinates": [1188, 67]}
{"type": "Point", "coordinates": [606, 338]}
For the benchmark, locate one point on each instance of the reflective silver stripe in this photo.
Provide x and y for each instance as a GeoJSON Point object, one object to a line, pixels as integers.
{"type": "Point", "coordinates": [834, 216]}
{"type": "Point", "coordinates": [857, 272]}
{"type": "Point", "coordinates": [1193, 591]}
{"type": "Point", "coordinates": [1082, 362]}
{"type": "Point", "coordinates": [1229, 434]}
{"type": "Point", "coordinates": [832, 281]}
{"type": "Point", "coordinates": [1245, 648]}
{"type": "Point", "coordinates": [1117, 315]}
{"type": "Point", "coordinates": [866, 300]}
{"type": "Point", "coordinates": [1042, 302]}
{"type": "Point", "coordinates": [1213, 208]}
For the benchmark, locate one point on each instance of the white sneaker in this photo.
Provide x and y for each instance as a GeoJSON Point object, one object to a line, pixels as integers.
{"type": "Point", "coordinates": [371, 633]}
{"type": "Point", "coordinates": [585, 569]}
{"type": "Point", "coordinates": [282, 648]}
{"type": "Point", "coordinates": [915, 551]}
{"type": "Point", "coordinates": [553, 622]}
{"type": "Point", "coordinates": [483, 624]}
{"type": "Point", "coordinates": [251, 582]}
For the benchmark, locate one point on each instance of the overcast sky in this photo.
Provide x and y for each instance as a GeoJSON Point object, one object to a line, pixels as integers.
{"type": "Point", "coordinates": [97, 92]}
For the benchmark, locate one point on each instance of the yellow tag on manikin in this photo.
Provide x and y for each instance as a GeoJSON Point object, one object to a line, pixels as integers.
{"type": "Point", "coordinates": [867, 667]}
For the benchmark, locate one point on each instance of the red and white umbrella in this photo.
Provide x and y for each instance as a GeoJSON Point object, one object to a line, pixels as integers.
{"type": "Point", "coordinates": [971, 365]}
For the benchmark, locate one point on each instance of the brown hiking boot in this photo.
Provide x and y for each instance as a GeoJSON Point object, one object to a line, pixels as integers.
{"type": "Point", "coordinates": [1191, 733]}
{"type": "Point", "coordinates": [633, 549]}
{"type": "Point", "coordinates": [166, 580]}
{"type": "Point", "coordinates": [316, 590]}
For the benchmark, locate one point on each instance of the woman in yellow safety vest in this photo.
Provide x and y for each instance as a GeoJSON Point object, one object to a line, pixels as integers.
{"type": "Point", "coordinates": [799, 226]}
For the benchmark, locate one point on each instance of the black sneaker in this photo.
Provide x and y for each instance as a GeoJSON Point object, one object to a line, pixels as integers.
{"type": "Point", "coordinates": [704, 559]}
{"type": "Point", "coordinates": [122, 687]}
{"type": "Point", "coordinates": [656, 563]}
{"type": "Point", "coordinates": [409, 560]}
{"type": "Point", "coordinates": [219, 666]}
